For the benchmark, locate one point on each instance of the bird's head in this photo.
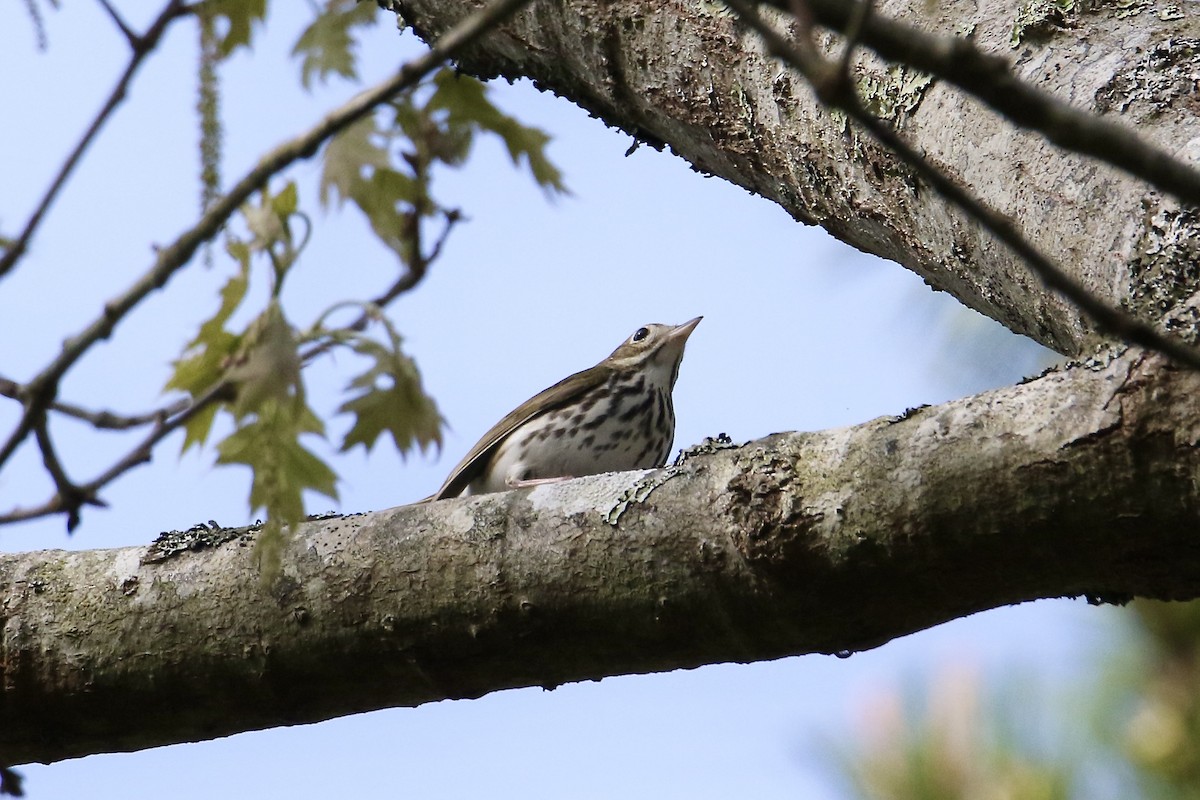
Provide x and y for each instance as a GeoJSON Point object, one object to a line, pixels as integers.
{"type": "Point", "coordinates": [654, 347]}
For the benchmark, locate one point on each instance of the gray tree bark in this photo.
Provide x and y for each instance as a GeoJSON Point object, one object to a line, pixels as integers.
{"type": "Point", "coordinates": [1080, 482]}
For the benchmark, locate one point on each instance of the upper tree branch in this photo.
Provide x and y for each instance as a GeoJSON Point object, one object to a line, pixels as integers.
{"type": "Point", "coordinates": [1080, 482]}
{"type": "Point", "coordinates": [688, 76]}
{"type": "Point", "coordinates": [42, 389]}
{"type": "Point", "coordinates": [989, 77]}
{"type": "Point", "coordinates": [836, 89]}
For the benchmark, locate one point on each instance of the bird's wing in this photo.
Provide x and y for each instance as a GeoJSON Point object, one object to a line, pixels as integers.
{"type": "Point", "coordinates": [476, 459]}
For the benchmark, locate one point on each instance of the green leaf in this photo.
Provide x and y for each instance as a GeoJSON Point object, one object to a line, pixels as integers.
{"type": "Point", "coordinates": [267, 367]}
{"type": "Point", "coordinates": [390, 399]}
{"type": "Point", "coordinates": [198, 372]}
{"type": "Point", "coordinates": [530, 143]}
{"type": "Point", "coordinates": [197, 429]}
{"type": "Point", "coordinates": [285, 203]}
{"type": "Point", "coordinates": [283, 468]}
{"type": "Point", "coordinates": [383, 199]}
{"type": "Point", "coordinates": [265, 223]}
{"type": "Point", "coordinates": [327, 46]}
{"type": "Point", "coordinates": [270, 221]}
{"type": "Point", "coordinates": [391, 185]}
{"type": "Point", "coordinates": [347, 157]}
{"type": "Point", "coordinates": [241, 253]}
{"type": "Point", "coordinates": [204, 361]}
{"type": "Point", "coordinates": [465, 102]}
{"type": "Point", "coordinates": [239, 17]}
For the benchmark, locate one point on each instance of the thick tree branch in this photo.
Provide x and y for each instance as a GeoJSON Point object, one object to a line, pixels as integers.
{"type": "Point", "coordinates": [698, 80]}
{"type": "Point", "coordinates": [41, 390]}
{"type": "Point", "coordinates": [1080, 482]}
{"type": "Point", "coordinates": [835, 86]}
{"type": "Point", "coordinates": [989, 77]}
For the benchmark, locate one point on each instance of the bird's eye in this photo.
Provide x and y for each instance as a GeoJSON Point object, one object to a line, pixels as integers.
{"type": "Point", "coordinates": [640, 333]}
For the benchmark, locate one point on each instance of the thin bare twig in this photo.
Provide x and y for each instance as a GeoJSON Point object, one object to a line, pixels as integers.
{"type": "Point", "coordinates": [41, 390]}
{"type": "Point", "coordinates": [835, 89]}
{"type": "Point", "coordinates": [131, 37]}
{"type": "Point", "coordinates": [139, 454]}
{"type": "Point", "coordinates": [101, 420]}
{"type": "Point", "coordinates": [406, 282]}
{"type": "Point", "coordinates": [142, 46]}
{"type": "Point", "coordinates": [72, 496]}
{"type": "Point", "coordinates": [989, 78]}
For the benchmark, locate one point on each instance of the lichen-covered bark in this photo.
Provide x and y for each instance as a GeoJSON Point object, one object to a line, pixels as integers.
{"type": "Point", "coordinates": [688, 75]}
{"type": "Point", "coordinates": [1081, 482]}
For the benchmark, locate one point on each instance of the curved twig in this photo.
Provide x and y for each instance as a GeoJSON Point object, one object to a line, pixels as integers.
{"type": "Point", "coordinates": [406, 282]}
{"type": "Point", "coordinates": [72, 497]}
{"type": "Point", "coordinates": [142, 46]}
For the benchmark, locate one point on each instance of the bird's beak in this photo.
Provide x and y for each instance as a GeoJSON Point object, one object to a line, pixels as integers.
{"type": "Point", "coordinates": [676, 339]}
{"type": "Point", "coordinates": [680, 333]}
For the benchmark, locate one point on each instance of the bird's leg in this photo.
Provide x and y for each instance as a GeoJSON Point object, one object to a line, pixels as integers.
{"type": "Point", "coordinates": [514, 483]}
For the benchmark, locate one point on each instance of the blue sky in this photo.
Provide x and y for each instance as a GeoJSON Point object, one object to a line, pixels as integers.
{"type": "Point", "coordinates": [800, 333]}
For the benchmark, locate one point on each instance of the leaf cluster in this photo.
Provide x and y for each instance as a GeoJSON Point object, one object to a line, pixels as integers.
{"type": "Point", "coordinates": [241, 374]}
{"type": "Point", "coordinates": [254, 375]}
{"type": "Point", "coordinates": [384, 166]}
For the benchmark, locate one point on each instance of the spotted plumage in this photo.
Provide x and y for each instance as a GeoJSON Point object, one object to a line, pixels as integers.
{"type": "Point", "coordinates": [616, 416]}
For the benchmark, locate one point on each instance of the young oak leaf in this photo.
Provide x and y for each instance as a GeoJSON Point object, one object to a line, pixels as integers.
{"type": "Point", "coordinates": [464, 99]}
{"type": "Point", "coordinates": [347, 156]}
{"type": "Point", "coordinates": [282, 467]}
{"type": "Point", "coordinates": [204, 360]}
{"type": "Point", "coordinates": [390, 399]}
{"type": "Point", "coordinates": [240, 16]}
{"type": "Point", "coordinates": [358, 169]}
{"type": "Point", "coordinates": [268, 221]}
{"type": "Point", "coordinates": [327, 46]}
{"type": "Point", "coordinates": [267, 366]}
{"type": "Point", "coordinates": [386, 199]}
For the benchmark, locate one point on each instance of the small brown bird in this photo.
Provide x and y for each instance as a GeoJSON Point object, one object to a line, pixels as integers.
{"type": "Point", "coordinates": [616, 416]}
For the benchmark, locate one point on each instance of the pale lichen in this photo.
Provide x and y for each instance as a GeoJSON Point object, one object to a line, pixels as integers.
{"type": "Point", "coordinates": [1163, 80]}
{"type": "Point", "coordinates": [894, 93]}
{"type": "Point", "coordinates": [1165, 270]}
{"type": "Point", "coordinates": [1038, 20]}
